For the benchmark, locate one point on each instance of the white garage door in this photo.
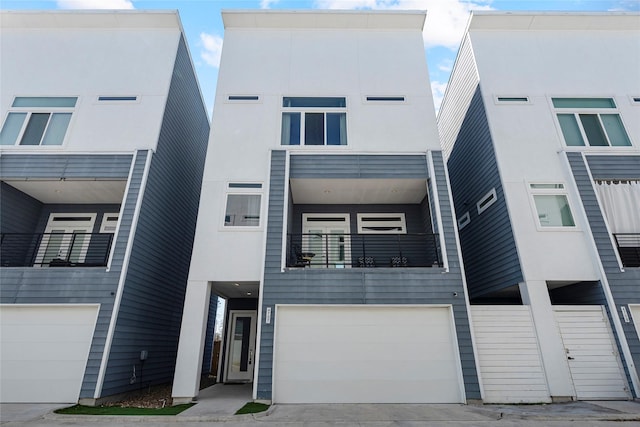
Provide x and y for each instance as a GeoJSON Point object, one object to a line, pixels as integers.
{"type": "Point", "coordinates": [592, 354]}
{"type": "Point", "coordinates": [44, 351]}
{"type": "Point", "coordinates": [508, 355]}
{"type": "Point", "coordinates": [366, 354]}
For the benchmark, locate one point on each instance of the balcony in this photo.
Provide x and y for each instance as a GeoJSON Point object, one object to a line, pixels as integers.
{"type": "Point", "coordinates": [342, 250]}
{"type": "Point", "coordinates": [629, 248]}
{"type": "Point", "coordinates": [55, 249]}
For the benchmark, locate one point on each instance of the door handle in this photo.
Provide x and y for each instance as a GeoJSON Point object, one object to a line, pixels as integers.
{"type": "Point", "coordinates": [250, 357]}
{"type": "Point", "coordinates": [570, 358]}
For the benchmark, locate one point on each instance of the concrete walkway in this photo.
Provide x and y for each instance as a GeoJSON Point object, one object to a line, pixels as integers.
{"type": "Point", "coordinates": [220, 400]}
{"type": "Point", "coordinates": [218, 403]}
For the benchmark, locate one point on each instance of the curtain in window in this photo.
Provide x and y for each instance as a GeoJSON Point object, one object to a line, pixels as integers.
{"type": "Point", "coordinates": [343, 129]}
{"type": "Point", "coordinates": [286, 129]}
{"type": "Point", "coordinates": [621, 205]}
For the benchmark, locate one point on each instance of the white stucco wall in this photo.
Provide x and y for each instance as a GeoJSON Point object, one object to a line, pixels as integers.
{"type": "Point", "coordinates": [543, 64]}
{"type": "Point", "coordinates": [293, 56]}
{"type": "Point", "coordinates": [87, 55]}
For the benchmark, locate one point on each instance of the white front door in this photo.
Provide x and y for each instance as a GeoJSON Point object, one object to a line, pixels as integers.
{"type": "Point", "coordinates": [73, 240]}
{"type": "Point", "coordinates": [241, 344]}
{"type": "Point", "coordinates": [326, 236]}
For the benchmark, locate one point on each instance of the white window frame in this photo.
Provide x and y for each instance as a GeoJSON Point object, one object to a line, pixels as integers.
{"type": "Point", "coordinates": [231, 191]}
{"type": "Point", "coordinates": [511, 100]}
{"type": "Point", "coordinates": [305, 110]}
{"type": "Point", "coordinates": [402, 223]}
{"type": "Point", "coordinates": [598, 111]}
{"type": "Point", "coordinates": [88, 225]}
{"type": "Point", "coordinates": [560, 191]}
{"type": "Point", "coordinates": [29, 111]}
{"type": "Point", "coordinates": [464, 220]}
{"type": "Point", "coordinates": [105, 222]}
{"type": "Point", "coordinates": [485, 201]}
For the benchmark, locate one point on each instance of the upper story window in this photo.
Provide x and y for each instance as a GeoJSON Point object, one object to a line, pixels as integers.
{"type": "Point", "coordinates": [314, 121]}
{"type": "Point", "coordinates": [242, 208]}
{"type": "Point", "coordinates": [551, 205]}
{"type": "Point", "coordinates": [591, 122]}
{"type": "Point", "coordinates": [37, 120]}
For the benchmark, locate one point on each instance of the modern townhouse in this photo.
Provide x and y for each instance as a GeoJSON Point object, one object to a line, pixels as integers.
{"type": "Point", "coordinates": [326, 220]}
{"type": "Point", "coordinates": [102, 146]}
{"type": "Point", "coordinates": [541, 130]}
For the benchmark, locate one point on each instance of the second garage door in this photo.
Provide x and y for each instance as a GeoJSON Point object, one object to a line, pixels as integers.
{"type": "Point", "coordinates": [366, 354]}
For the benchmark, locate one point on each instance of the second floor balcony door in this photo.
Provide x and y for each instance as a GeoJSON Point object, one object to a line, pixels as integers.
{"type": "Point", "coordinates": [326, 236]}
{"type": "Point", "coordinates": [66, 238]}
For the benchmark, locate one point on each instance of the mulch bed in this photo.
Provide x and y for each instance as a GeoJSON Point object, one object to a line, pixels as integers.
{"type": "Point", "coordinates": [156, 396]}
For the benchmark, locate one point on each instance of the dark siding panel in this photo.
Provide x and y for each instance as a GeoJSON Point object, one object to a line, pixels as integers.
{"type": "Point", "coordinates": [623, 284]}
{"type": "Point", "coordinates": [489, 250]}
{"type": "Point", "coordinates": [151, 309]}
{"type": "Point", "coordinates": [19, 212]}
{"type": "Point", "coordinates": [77, 285]}
{"type": "Point", "coordinates": [209, 335]}
{"type": "Point", "coordinates": [113, 166]}
{"type": "Point", "coordinates": [357, 166]}
{"type": "Point", "coordinates": [614, 167]}
{"type": "Point", "coordinates": [355, 286]}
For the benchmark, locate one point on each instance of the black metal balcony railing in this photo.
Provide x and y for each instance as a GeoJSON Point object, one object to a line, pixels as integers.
{"type": "Point", "coordinates": [363, 250]}
{"type": "Point", "coordinates": [629, 248]}
{"type": "Point", "coordinates": [55, 249]}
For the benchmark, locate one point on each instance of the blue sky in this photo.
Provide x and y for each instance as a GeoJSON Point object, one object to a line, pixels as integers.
{"type": "Point", "coordinates": [446, 20]}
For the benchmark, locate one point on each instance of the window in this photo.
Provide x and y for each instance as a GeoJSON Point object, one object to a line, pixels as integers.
{"type": "Point", "coordinates": [552, 205]}
{"type": "Point", "coordinates": [314, 121]}
{"type": "Point", "coordinates": [117, 98]}
{"type": "Point", "coordinates": [37, 121]}
{"type": "Point", "coordinates": [381, 223]}
{"type": "Point", "coordinates": [464, 220]}
{"type": "Point", "coordinates": [512, 100]}
{"type": "Point", "coordinates": [109, 223]}
{"type": "Point", "coordinates": [385, 98]}
{"type": "Point", "coordinates": [242, 208]}
{"type": "Point", "coordinates": [486, 201]}
{"type": "Point", "coordinates": [243, 98]}
{"type": "Point", "coordinates": [590, 122]}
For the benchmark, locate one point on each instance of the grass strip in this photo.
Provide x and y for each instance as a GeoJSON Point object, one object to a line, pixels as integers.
{"type": "Point", "coordinates": [122, 410]}
{"type": "Point", "coordinates": [252, 408]}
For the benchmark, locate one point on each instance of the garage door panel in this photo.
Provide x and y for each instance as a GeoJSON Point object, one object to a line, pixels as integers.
{"type": "Point", "coordinates": [44, 351]}
{"type": "Point", "coordinates": [365, 354]}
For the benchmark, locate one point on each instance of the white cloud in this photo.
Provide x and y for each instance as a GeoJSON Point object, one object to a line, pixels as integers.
{"type": "Point", "coordinates": [446, 19]}
{"type": "Point", "coordinates": [446, 65]}
{"type": "Point", "coordinates": [212, 49]}
{"type": "Point", "coordinates": [438, 89]}
{"type": "Point", "coordinates": [266, 4]}
{"type": "Point", "coordinates": [95, 4]}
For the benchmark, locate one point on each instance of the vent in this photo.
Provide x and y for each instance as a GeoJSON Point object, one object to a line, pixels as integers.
{"type": "Point", "coordinates": [385, 98]}
{"type": "Point", "coordinates": [117, 98]}
{"type": "Point", "coordinates": [243, 98]}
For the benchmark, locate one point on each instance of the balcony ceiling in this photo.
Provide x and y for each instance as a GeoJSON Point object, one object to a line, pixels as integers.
{"type": "Point", "coordinates": [72, 192]}
{"type": "Point", "coordinates": [358, 191]}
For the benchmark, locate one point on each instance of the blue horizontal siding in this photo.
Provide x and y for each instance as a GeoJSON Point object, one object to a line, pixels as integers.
{"type": "Point", "coordinates": [488, 246]}
{"type": "Point", "coordinates": [614, 167]}
{"type": "Point", "coordinates": [355, 286]}
{"type": "Point", "coordinates": [56, 166]}
{"type": "Point", "coordinates": [151, 308]}
{"type": "Point", "coordinates": [357, 166]}
{"type": "Point", "coordinates": [623, 284]}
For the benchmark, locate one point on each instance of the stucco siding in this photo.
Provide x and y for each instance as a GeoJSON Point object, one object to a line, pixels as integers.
{"type": "Point", "coordinates": [152, 301]}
